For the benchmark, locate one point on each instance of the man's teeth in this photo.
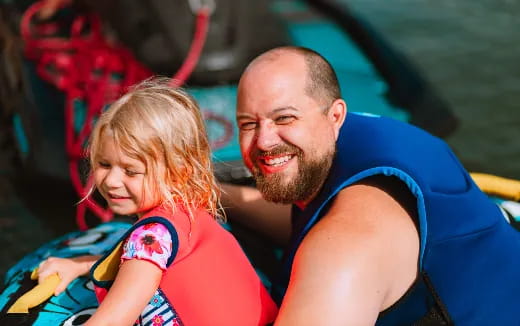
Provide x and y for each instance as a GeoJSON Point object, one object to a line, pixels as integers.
{"type": "Point", "coordinates": [278, 160]}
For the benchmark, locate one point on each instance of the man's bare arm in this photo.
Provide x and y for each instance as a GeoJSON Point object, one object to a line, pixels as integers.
{"type": "Point", "coordinates": [357, 261]}
{"type": "Point", "coordinates": [246, 206]}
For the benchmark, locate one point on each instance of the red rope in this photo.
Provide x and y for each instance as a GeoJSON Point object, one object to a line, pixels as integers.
{"type": "Point", "coordinates": [199, 38]}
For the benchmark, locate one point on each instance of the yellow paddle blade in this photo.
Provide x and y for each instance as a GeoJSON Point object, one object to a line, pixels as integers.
{"type": "Point", "coordinates": [36, 295]}
{"type": "Point", "coordinates": [502, 187]}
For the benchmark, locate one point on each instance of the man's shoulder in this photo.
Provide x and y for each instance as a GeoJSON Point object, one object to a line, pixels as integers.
{"type": "Point", "coordinates": [368, 228]}
{"type": "Point", "coordinates": [373, 197]}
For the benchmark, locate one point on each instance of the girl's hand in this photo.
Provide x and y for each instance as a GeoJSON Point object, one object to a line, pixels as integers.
{"type": "Point", "coordinates": [68, 269]}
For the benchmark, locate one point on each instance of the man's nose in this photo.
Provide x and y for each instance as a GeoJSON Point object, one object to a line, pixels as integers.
{"type": "Point", "coordinates": [267, 136]}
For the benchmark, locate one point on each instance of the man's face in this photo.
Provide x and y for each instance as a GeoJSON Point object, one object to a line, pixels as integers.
{"type": "Point", "coordinates": [286, 137]}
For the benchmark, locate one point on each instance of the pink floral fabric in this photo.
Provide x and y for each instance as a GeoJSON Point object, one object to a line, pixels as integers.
{"type": "Point", "coordinates": [151, 242]}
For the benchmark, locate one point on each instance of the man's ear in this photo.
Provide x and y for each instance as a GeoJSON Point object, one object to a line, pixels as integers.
{"type": "Point", "coordinates": [336, 115]}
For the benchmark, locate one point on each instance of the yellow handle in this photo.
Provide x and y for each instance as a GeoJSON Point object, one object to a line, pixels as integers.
{"type": "Point", "coordinates": [36, 295]}
{"type": "Point", "coordinates": [499, 186]}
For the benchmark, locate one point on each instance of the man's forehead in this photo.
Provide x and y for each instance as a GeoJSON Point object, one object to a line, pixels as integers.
{"type": "Point", "coordinates": [276, 82]}
{"type": "Point", "coordinates": [277, 63]}
{"type": "Point", "coordinates": [269, 86]}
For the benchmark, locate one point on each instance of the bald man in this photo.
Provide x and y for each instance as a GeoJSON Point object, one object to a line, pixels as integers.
{"type": "Point", "coordinates": [386, 227]}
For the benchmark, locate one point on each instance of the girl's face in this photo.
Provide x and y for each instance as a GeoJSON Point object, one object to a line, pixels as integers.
{"type": "Point", "coordinates": [120, 180]}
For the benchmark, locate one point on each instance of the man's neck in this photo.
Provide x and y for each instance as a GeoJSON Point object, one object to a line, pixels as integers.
{"type": "Point", "coordinates": [301, 204]}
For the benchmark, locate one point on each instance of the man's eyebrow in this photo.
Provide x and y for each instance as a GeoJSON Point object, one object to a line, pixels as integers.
{"type": "Point", "coordinates": [243, 116]}
{"type": "Point", "coordinates": [275, 111]}
{"type": "Point", "coordinates": [285, 108]}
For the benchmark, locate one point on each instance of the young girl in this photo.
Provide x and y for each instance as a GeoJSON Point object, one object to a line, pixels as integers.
{"type": "Point", "coordinates": [176, 266]}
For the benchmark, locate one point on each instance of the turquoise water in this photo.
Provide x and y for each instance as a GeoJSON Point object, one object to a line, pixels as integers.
{"type": "Point", "coordinates": [469, 51]}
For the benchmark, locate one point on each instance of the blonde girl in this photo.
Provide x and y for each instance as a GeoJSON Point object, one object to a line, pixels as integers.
{"type": "Point", "coordinates": [176, 265]}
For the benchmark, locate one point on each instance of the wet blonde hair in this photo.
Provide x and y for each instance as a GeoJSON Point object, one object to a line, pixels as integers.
{"type": "Point", "coordinates": [162, 127]}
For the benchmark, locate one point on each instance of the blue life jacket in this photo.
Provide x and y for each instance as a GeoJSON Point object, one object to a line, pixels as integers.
{"type": "Point", "coordinates": [469, 266]}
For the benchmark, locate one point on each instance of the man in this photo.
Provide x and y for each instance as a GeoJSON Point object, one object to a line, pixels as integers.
{"type": "Point", "coordinates": [387, 227]}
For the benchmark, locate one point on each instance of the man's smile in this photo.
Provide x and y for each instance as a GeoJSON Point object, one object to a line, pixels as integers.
{"type": "Point", "coordinates": [272, 164]}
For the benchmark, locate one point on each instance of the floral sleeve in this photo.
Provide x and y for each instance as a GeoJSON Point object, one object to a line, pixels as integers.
{"type": "Point", "coordinates": [151, 242]}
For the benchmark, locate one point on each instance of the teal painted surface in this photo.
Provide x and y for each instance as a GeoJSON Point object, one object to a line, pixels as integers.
{"type": "Point", "coordinates": [80, 112]}
{"type": "Point", "coordinates": [21, 138]}
{"type": "Point", "coordinates": [220, 100]}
